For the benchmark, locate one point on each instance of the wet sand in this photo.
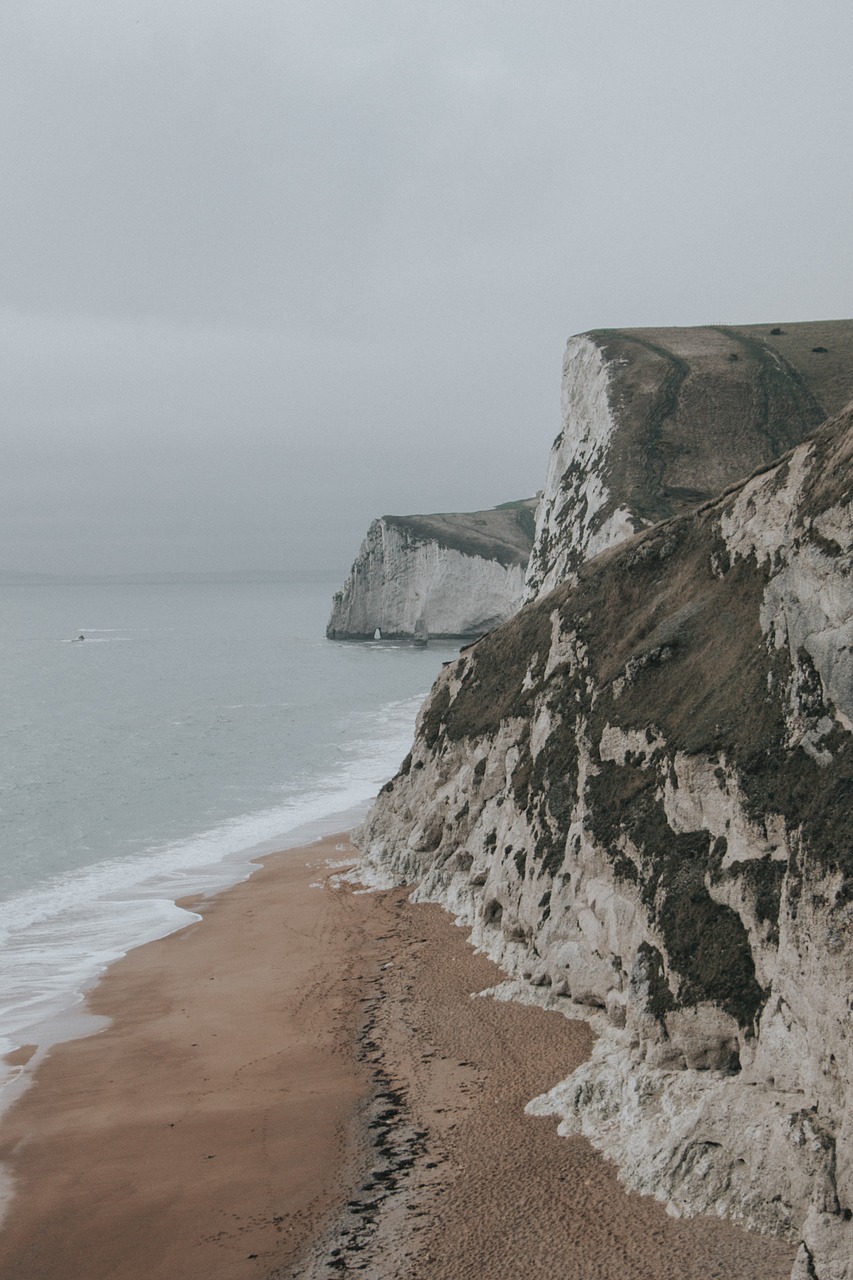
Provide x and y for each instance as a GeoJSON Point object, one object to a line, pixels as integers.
{"type": "Point", "coordinates": [301, 1085]}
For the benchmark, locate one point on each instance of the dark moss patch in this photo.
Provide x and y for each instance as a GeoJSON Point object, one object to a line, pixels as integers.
{"type": "Point", "coordinates": [648, 983]}
{"type": "Point", "coordinates": [494, 690]}
{"type": "Point", "coordinates": [434, 716]}
{"type": "Point", "coordinates": [526, 517]}
{"type": "Point", "coordinates": [809, 686]}
{"type": "Point", "coordinates": [624, 868]}
{"type": "Point", "coordinates": [493, 912]}
{"type": "Point", "coordinates": [617, 798]}
{"type": "Point", "coordinates": [546, 789]}
{"type": "Point", "coordinates": [549, 850]}
{"type": "Point", "coordinates": [522, 775]}
{"type": "Point", "coordinates": [689, 643]}
{"type": "Point", "coordinates": [824, 811]}
{"type": "Point", "coordinates": [828, 546]}
{"type": "Point", "coordinates": [706, 943]}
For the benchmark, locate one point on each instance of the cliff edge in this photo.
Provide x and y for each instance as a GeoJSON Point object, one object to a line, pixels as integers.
{"type": "Point", "coordinates": [448, 575]}
{"type": "Point", "coordinates": [657, 421]}
{"type": "Point", "coordinates": [637, 794]}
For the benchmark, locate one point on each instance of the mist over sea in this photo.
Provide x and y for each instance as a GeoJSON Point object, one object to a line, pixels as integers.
{"type": "Point", "coordinates": [199, 723]}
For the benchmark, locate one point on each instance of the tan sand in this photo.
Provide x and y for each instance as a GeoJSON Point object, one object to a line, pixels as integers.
{"type": "Point", "coordinates": [301, 1086]}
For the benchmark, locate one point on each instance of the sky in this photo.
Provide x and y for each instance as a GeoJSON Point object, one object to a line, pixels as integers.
{"type": "Point", "coordinates": [270, 269]}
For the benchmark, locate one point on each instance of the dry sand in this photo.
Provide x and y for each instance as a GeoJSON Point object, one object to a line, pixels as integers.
{"type": "Point", "coordinates": [301, 1086]}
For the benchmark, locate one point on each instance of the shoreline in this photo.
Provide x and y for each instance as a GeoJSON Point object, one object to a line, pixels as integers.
{"type": "Point", "coordinates": [117, 906]}
{"type": "Point", "coordinates": [300, 1085]}
{"type": "Point", "coordinates": [212, 1117]}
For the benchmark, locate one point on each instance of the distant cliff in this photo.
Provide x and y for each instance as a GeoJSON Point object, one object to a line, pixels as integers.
{"type": "Point", "coordinates": [455, 575]}
{"type": "Point", "coordinates": [656, 421]}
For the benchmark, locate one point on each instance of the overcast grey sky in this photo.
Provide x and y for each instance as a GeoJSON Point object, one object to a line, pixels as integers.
{"type": "Point", "coordinates": [270, 268]}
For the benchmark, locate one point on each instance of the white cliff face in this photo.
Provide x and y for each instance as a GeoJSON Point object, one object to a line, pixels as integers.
{"type": "Point", "coordinates": [408, 585]}
{"type": "Point", "coordinates": [576, 517]}
{"type": "Point", "coordinates": [805, 605]}
{"type": "Point", "coordinates": [637, 796]}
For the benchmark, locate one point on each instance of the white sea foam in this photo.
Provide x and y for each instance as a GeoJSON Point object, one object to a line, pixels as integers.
{"type": "Point", "coordinates": [210, 723]}
{"type": "Point", "coordinates": [58, 937]}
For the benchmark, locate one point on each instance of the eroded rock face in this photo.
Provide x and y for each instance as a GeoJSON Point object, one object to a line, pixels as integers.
{"type": "Point", "coordinates": [637, 794]}
{"type": "Point", "coordinates": [657, 421]}
{"type": "Point", "coordinates": [443, 575]}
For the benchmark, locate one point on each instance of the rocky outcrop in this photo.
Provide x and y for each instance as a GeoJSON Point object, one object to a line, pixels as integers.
{"type": "Point", "coordinates": [637, 795]}
{"type": "Point", "coordinates": [441, 575]}
{"type": "Point", "coordinates": [656, 421]}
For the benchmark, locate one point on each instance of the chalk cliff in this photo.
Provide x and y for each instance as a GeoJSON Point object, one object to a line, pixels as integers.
{"type": "Point", "coordinates": [656, 421]}
{"type": "Point", "coordinates": [637, 794]}
{"type": "Point", "coordinates": [453, 575]}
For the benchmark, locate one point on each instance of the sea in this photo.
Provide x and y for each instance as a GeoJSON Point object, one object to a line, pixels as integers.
{"type": "Point", "coordinates": [200, 723]}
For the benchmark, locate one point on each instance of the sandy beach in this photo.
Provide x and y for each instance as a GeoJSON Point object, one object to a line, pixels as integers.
{"type": "Point", "coordinates": [300, 1085]}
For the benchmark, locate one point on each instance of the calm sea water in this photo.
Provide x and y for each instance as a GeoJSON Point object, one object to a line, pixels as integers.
{"type": "Point", "coordinates": [198, 724]}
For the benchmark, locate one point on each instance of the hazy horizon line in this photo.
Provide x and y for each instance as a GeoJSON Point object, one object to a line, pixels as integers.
{"type": "Point", "coordinates": [15, 577]}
